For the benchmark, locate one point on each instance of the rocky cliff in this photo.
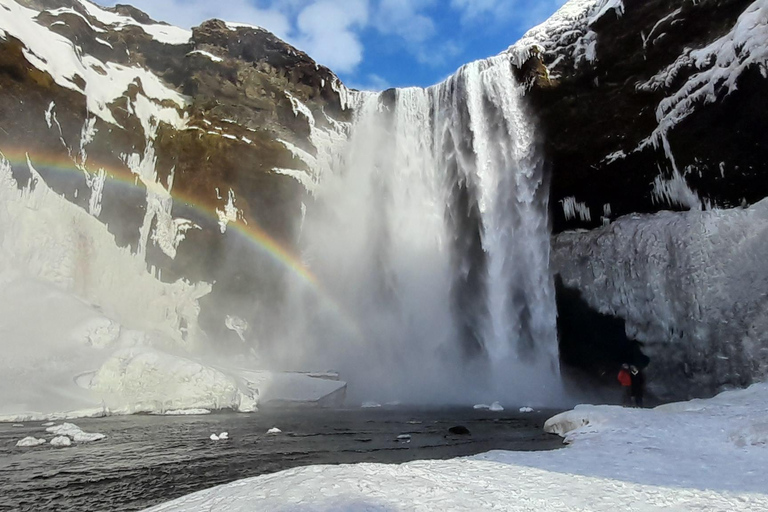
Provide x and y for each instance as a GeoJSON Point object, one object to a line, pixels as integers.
{"type": "Point", "coordinates": [199, 151]}
{"type": "Point", "coordinates": [653, 107]}
{"type": "Point", "coordinates": [168, 136]}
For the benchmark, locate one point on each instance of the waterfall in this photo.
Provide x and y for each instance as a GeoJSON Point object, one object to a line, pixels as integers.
{"type": "Point", "coordinates": [431, 237]}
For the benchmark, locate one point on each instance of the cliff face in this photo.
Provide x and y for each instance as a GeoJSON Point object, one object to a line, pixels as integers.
{"type": "Point", "coordinates": [200, 149]}
{"type": "Point", "coordinates": [169, 136]}
{"type": "Point", "coordinates": [650, 106]}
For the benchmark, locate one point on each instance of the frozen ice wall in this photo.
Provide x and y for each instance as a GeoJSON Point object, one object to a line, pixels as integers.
{"type": "Point", "coordinates": [690, 285]}
{"type": "Point", "coordinates": [430, 236]}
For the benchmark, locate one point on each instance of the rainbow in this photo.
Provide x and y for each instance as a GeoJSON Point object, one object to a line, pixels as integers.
{"type": "Point", "coordinates": [251, 231]}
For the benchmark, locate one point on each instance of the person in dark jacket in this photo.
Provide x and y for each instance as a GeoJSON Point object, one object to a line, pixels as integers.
{"type": "Point", "coordinates": [625, 379]}
{"type": "Point", "coordinates": [638, 385]}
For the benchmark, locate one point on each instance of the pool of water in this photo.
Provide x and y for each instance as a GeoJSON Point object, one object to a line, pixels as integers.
{"type": "Point", "coordinates": [147, 460]}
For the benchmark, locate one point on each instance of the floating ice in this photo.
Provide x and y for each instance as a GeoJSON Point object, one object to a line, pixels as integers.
{"type": "Point", "coordinates": [482, 407]}
{"type": "Point", "coordinates": [214, 437]}
{"type": "Point", "coordinates": [61, 442]}
{"type": "Point", "coordinates": [370, 405]}
{"type": "Point", "coordinates": [274, 430]}
{"type": "Point", "coordinates": [526, 409]}
{"type": "Point", "coordinates": [29, 442]}
{"type": "Point", "coordinates": [496, 407]}
{"type": "Point", "coordinates": [223, 436]}
{"type": "Point", "coordinates": [76, 433]}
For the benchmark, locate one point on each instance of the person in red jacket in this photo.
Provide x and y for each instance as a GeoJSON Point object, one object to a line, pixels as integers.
{"type": "Point", "coordinates": [625, 379]}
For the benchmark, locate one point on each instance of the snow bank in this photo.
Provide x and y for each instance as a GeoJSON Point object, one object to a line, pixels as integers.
{"type": "Point", "coordinates": [145, 380]}
{"type": "Point", "coordinates": [690, 285]}
{"type": "Point", "coordinates": [677, 458]}
{"type": "Point", "coordinates": [29, 442]}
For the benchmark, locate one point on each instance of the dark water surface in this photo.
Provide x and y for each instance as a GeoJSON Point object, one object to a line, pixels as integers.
{"type": "Point", "coordinates": [147, 460]}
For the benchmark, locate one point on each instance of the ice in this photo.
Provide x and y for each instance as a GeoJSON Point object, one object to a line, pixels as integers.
{"type": "Point", "coordinates": [715, 68]}
{"type": "Point", "coordinates": [690, 285]}
{"type": "Point", "coordinates": [680, 458]}
{"type": "Point", "coordinates": [526, 409]}
{"type": "Point", "coordinates": [214, 437]}
{"type": "Point", "coordinates": [274, 430]}
{"type": "Point", "coordinates": [75, 433]}
{"type": "Point", "coordinates": [370, 405]}
{"type": "Point", "coordinates": [187, 412]}
{"type": "Point", "coordinates": [61, 442]}
{"type": "Point", "coordinates": [143, 379]}
{"type": "Point", "coordinates": [29, 442]}
{"type": "Point", "coordinates": [48, 424]}
{"type": "Point", "coordinates": [495, 407]}
{"type": "Point", "coordinates": [224, 436]}
{"type": "Point", "coordinates": [482, 407]}
{"type": "Point", "coordinates": [211, 56]}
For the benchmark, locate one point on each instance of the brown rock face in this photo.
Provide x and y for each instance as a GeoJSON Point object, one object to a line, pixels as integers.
{"type": "Point", "coordinates": [237, 84]}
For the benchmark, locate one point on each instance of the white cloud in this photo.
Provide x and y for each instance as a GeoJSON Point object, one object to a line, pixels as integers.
{"type": "Point", "coordinates": [372, 82]}
{"type": "Point", "coordinates": [328, 31]}
{"type": "Point", "coordinates": [402, 18]}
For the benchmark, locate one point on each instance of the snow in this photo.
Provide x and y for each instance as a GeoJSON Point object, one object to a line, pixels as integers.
{"type": "Point", "coordinates": [166, 34]}
{"type": "Point", "coordinates": [143, 379]}
{"type": "Point", "coordinates": [690, 285]}
{"type": "Point", "coordinates": [30, 442]}
{"type": "Point", "coordinates": [716, 69]}
{"type": "Point", "coordinates": [680, 457]}
{"type": "Point", "coordinates": [105, 82]}
{"type": "Point", "coordinates": [61, 442]}
{"type": "Point", "coordinates": [566, 33]}
{"type": "Point", "coordinates": [211, 56]}
{"type": "Point", "coordinates": [75, 433]}
{"type": "Point", "coordinates": [230, 213]}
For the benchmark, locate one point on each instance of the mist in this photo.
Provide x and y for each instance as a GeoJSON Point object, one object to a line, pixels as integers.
{"type": "Point", "coordinates": [430, 237]}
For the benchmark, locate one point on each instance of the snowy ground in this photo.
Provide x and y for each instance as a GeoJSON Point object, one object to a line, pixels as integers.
{"type": "Point", "coordinates": [699, 455]}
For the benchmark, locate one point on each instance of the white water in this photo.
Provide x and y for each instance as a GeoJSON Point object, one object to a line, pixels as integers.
{"type": "Point", "coordinates": [431, 235]}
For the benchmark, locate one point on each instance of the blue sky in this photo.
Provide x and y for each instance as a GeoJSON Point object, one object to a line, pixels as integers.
{"type": "Point", "coordinates": [374, 44]}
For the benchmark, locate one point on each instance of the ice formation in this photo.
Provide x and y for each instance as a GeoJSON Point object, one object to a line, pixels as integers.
{"type": "Point", "coordinates": [30, 442]}
{"type": "Point", "coordinates": [75, 433]}
{"type": "Point", "coordinates": [61, 442]}
{"type": "Point", "coordinates": [689, 285]}
{"type": "Point", "coordinates": [274, 430]}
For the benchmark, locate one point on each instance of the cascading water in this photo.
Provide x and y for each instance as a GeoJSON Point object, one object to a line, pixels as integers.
{"type": "Point", "coordinates": [432, 237]}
